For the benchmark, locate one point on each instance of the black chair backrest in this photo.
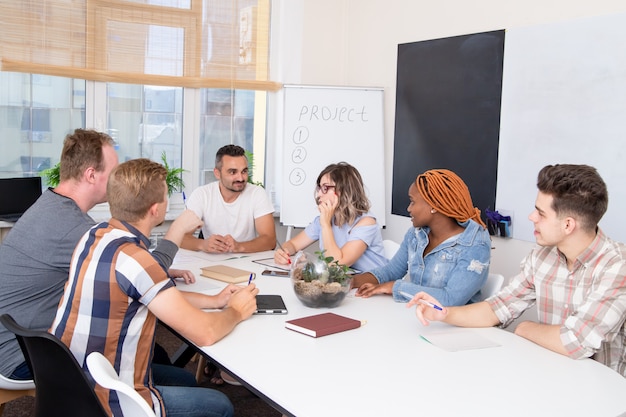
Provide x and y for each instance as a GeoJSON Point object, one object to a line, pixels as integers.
{"type": "Point", "coordinates": [61, 387]}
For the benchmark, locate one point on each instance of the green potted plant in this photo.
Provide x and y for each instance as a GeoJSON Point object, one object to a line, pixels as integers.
{"type": "Point", "coordinates": [250, 158]}
{"type": "Point", "coordinates": [52, 176]}
{"type": "Point", "coordinates": [174, 177]}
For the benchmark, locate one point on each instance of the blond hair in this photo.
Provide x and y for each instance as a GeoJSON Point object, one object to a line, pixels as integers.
{"type": "Point", "coordinates": [134, 186]}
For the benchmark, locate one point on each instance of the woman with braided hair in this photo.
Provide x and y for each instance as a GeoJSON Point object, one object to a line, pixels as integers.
{"type": "Point", "coordinates": [447, 251]}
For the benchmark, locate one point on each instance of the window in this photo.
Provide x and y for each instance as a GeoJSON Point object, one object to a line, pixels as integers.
{"type": "Point", "coordinates": [37, 112]}
{"type": "Point", "coordinates": [145, 121]}
{"type": "Point", "coordinates": [226, 116]}
{"type": "Point", "coordinates": [182, 77]}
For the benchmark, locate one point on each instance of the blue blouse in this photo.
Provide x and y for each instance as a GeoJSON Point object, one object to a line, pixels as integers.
{"type": "Point", "coordinates": [374, 255]}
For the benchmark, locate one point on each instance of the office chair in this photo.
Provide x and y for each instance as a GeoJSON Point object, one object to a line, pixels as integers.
{"type": "Point", "coordinates": [10, 389]}
{"type": "Point", "coordinates": [491, 286]}
{"type": "Point", "coordinates": [61, 386]}
{"type": "Point", "coordinates": [104, 374]}
{"type": "Point", "coordinates": [390, 248]}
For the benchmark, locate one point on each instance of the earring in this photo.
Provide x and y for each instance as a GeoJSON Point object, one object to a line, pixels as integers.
{"type": "Point", "coordinates": [433, 211]}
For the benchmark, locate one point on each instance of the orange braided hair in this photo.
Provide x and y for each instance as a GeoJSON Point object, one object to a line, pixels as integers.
{"type": "Point", "coordinates": [447, 193]}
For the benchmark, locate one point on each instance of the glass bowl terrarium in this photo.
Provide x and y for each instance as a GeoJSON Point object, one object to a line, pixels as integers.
{"type": "Point", "coordinates": [320, 281]}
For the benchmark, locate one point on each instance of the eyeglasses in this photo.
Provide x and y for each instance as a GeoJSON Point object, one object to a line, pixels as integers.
{"type": "Point", "coordinates": [324, 188]}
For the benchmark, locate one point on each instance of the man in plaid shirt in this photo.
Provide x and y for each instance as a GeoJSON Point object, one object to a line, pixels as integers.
{"type": "Point", "coordinates": [117, 290]}
{"type": "Point", "coordinates": [576, 277]}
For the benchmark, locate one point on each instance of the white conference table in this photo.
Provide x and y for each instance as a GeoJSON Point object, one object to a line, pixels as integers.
{"type": "Point", "coordinates": [385, 368]}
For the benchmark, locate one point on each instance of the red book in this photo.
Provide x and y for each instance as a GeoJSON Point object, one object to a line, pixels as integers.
{"type": "Point", "coordinates": [322, 324]}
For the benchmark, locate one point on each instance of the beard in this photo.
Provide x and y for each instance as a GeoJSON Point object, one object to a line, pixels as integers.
{"type": "Point", "coordinates": [237, 186]}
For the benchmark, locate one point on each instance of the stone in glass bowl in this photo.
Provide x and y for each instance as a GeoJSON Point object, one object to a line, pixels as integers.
{"type": "Point", "coordinates": [319, 281]}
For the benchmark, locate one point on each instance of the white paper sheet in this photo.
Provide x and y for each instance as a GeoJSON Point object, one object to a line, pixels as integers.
{"type": "Point", "coordinates": [456, 339]}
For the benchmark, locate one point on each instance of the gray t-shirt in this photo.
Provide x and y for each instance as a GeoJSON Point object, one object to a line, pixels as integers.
{"type": "Point", "coordinates": [35, 263]}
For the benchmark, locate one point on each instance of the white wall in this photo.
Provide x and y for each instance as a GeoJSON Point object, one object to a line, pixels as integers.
{"type": "Point", "coordinates": [563, 101]}
{"type": "Point", "coordinates": [354, 43]}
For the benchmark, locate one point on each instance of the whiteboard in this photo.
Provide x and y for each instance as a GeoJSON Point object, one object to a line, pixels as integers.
{"type": "Point", "coordinates": [324, 125]}
{"type": "Point", "coordinates": [563, 101]}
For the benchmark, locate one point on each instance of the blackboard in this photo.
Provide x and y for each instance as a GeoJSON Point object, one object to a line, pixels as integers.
{"type": "Point", "coordinates": [563, 101]}
{"type": "Point", "coordinates": [448, 96]}
{"type": "Point", "coordinates": [324, 125]}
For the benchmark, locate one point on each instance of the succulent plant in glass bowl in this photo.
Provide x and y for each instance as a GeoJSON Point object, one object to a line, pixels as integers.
{"type": "Point", "coordinates": [321, 281]}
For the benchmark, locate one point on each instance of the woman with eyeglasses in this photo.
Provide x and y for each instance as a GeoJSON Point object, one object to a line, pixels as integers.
{"type": "Point", "coordinates": [345, 229]}
{"type": "Point", "coordinates": [447, 251]}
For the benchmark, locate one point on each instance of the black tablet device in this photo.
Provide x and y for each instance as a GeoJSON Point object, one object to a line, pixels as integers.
{"type": "Point", "coordinates": [270, 304]}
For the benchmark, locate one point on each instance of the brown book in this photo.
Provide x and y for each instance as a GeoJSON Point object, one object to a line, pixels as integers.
{"type": "Point", "coordinates": [323, 324]}
{"type": "Point", "coordinates": [227, 274]}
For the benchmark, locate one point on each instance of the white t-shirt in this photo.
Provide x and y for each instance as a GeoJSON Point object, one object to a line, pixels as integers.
{"type": "Point", "coordinates": [236, 218]}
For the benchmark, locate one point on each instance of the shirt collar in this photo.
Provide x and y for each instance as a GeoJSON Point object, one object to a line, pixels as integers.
{"type": "Point", "coordinates": [119, 224]}
{"type": "Point", "coordinates": [594, 249]}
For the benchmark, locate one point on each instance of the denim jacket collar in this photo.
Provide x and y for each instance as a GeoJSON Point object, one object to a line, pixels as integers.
{"type": "Point", "coordinates": [466, 238]}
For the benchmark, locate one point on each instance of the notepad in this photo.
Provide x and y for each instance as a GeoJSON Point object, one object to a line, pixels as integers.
{"type": "Point", "coordinates": [323, 324]}
{"type": "Point", "coordinates": [227, 273]}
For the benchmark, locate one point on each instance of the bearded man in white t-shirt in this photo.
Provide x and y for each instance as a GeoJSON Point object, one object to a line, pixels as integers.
{"type": "Point", "coordinates": [237, 215]}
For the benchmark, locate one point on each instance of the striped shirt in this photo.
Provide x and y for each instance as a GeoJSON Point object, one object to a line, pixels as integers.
{"type": "Point", "coordinates": [588, 302]}
{"type": "Point", "coordinates": [112, 280]}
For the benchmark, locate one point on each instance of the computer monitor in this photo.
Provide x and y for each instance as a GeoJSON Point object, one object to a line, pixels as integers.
{"type": "Point", "coordinates": [17, 195]}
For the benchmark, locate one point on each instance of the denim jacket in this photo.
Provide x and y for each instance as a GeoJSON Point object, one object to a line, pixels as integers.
{"type": "Point", "coordinates": [453, 272]}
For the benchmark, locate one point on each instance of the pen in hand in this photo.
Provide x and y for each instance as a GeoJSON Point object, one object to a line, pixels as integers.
{"type": "Point", "coordinates": [428, 303]}
{"type": "Point", "coordinates": [281, 248]}
{"type": "Point", "coordinates": [421, 301]}
{"type": "Point", "coordinates": [250, 279]}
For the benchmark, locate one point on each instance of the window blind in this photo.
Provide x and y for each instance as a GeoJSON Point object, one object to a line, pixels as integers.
{"type": "Point", "coordinates": [187, 43]}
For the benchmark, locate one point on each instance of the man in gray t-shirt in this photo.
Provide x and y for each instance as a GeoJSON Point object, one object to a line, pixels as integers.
{"type": "Point", "coordinates": [34, 267]}
{"type": "Point", "coordinates": [35, 255]}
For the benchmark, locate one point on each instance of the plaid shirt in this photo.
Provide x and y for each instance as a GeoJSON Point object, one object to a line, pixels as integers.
{"type": "Point", "coordinates": [589, 302]}
{"type": "Point", "coordinates": [112, 280]}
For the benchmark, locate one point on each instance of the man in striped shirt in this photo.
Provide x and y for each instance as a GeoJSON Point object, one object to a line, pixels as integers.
{"type": "Point", "coordinates": [576, 277]}
{"type": "Point", "coordinates": [117, 291]}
